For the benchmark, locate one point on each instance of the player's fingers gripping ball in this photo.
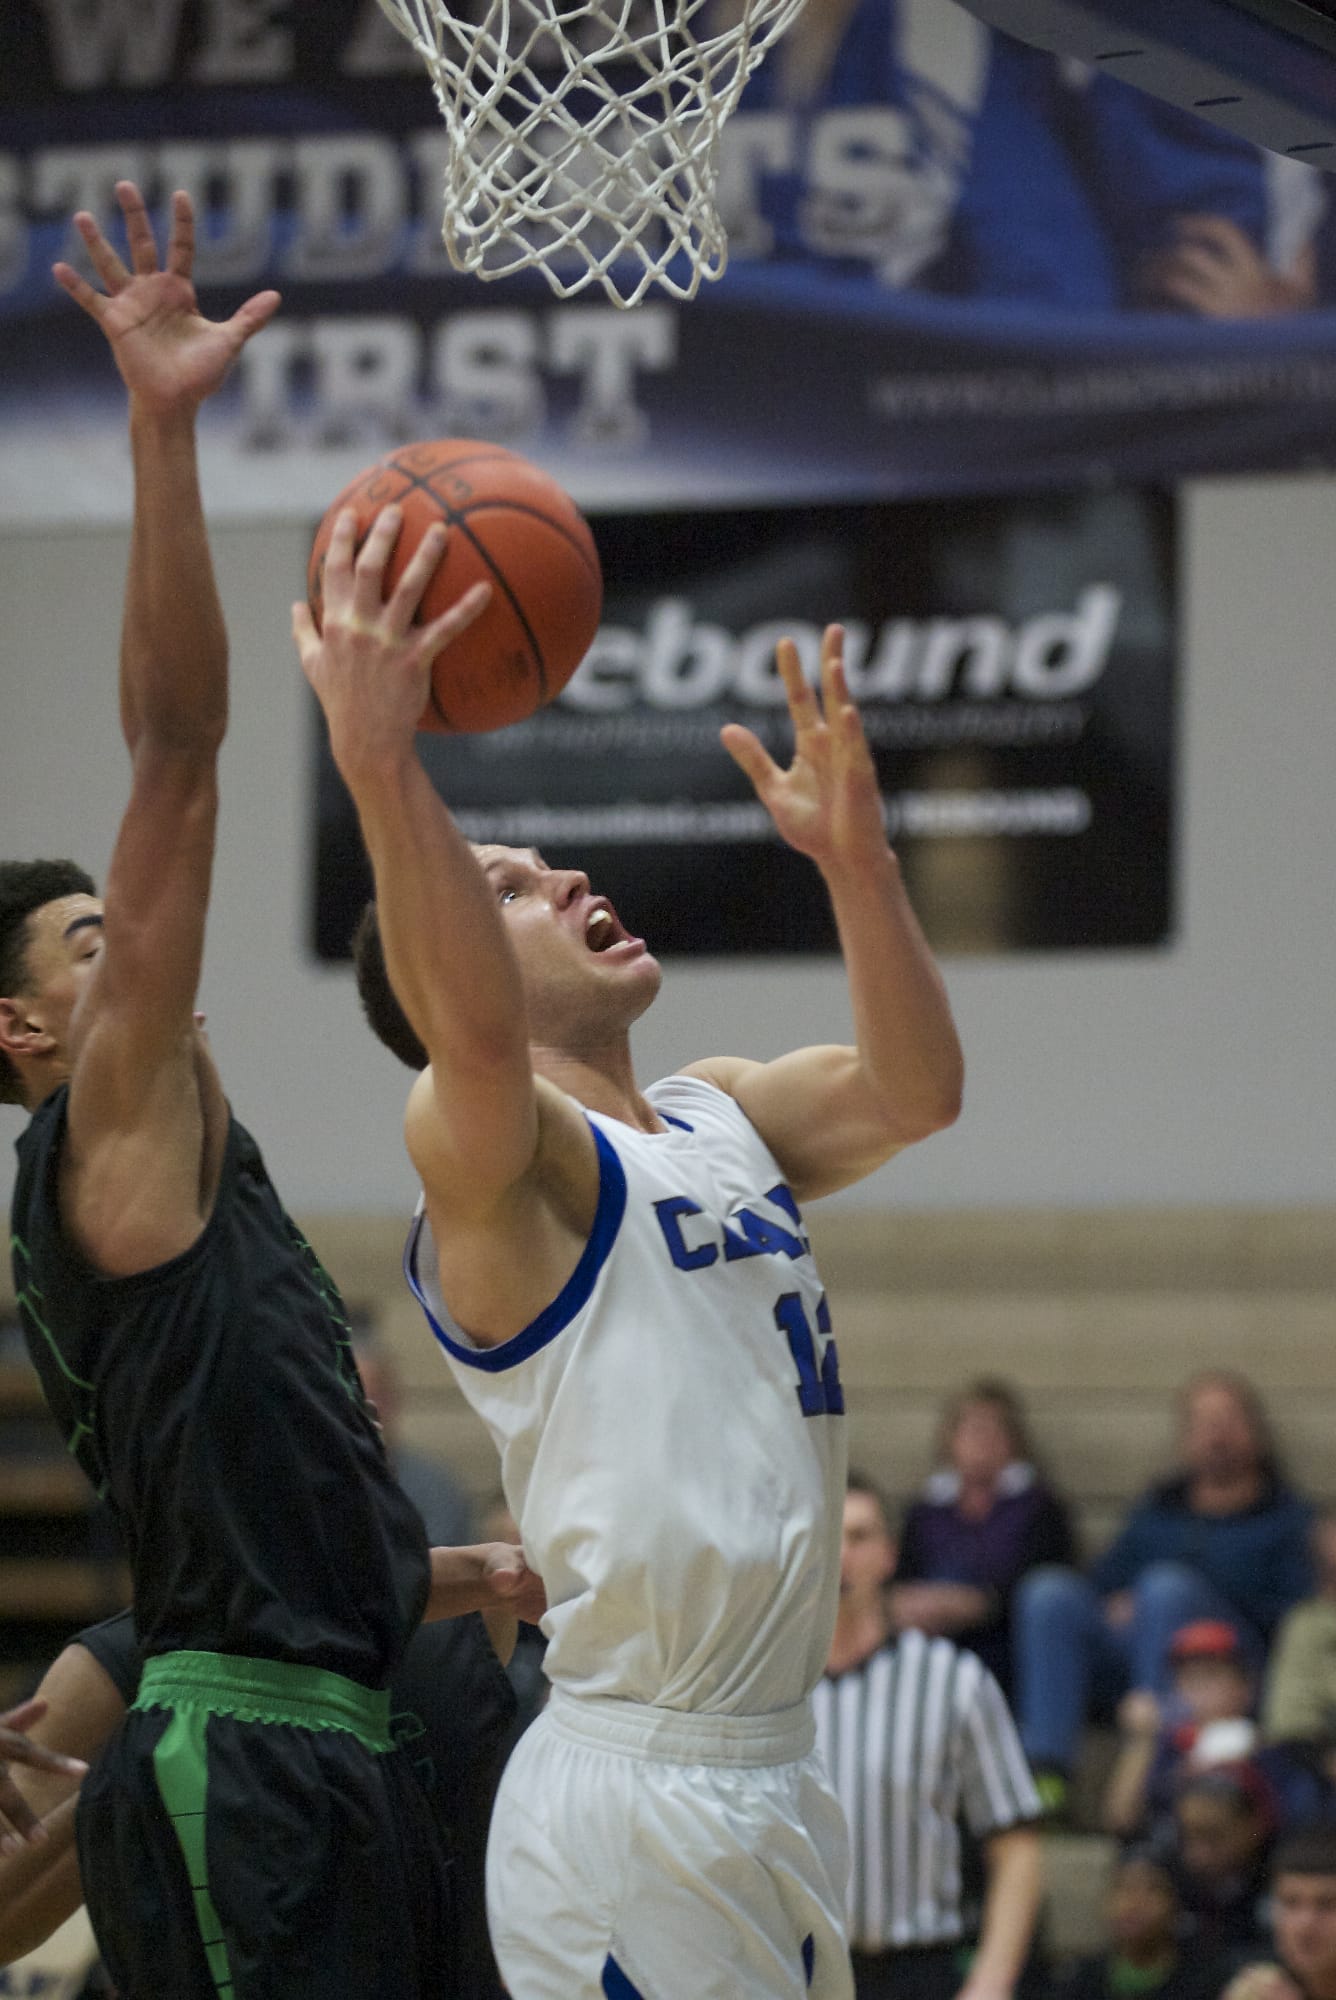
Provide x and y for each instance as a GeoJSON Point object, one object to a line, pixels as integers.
{"type": "Point", "coordinates": [511, 526]}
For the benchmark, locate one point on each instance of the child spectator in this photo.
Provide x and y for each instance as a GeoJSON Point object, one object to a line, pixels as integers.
{"type": "Point", "coordinates": [1303, 1915]}
{"type": "Point", "coordinates": [1225, 1822]}
{"type": "Point", "coordinates": [1145, 1958]}
{"type": "Point", "coordinates": [1206, 1720]}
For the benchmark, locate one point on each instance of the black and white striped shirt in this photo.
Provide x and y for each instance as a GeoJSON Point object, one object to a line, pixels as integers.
{"type": "Point", "coordinates": [914, 1739]}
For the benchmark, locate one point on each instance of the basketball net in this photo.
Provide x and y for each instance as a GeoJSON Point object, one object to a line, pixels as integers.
{"type": "Point", "coordinates": [583, 135]}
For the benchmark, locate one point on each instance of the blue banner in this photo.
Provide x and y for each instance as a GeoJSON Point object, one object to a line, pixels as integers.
{"type": "Point", "coordinates": [957, 265]}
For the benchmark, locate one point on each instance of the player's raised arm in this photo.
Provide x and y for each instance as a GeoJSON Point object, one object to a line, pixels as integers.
{"type": "Point", "coordinates": [831, 1115]}
{"type": "Point", "coordinates": [449, 960]}
{"type": "Point", "coordinates": [135, 1020]}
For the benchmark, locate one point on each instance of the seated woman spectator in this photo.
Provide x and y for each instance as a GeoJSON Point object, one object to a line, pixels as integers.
{"type": "Point", "coordinates": [1223, 1538]}
{"type": "Point", "coordinates": [1225, 1822]}
{"type": "Point", "coordinates": [1146, 1955]}
{"type": "Point", "coordinates": [985, 1517]}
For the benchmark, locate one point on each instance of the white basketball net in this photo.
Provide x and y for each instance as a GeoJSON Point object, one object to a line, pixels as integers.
{"type": "Point", "coordinates": [583, 137]}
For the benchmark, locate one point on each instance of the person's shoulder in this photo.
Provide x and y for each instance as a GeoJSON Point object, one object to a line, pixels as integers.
{"type": "Point", "coordinates": [941, 1657]}
{"type": "Point", "coordinates": [936, 1497]}
{"type": "Point", "coordinates": [1162, 1496]}
{"type": "Point", "coordinates": [1084, 1979]}
{"type": "Point", "coordinates": [716, 1075]}
{"type": "Point", "coordinates": [45, 1122]}
{"type": "Point", "coordinates": [704, 1094]}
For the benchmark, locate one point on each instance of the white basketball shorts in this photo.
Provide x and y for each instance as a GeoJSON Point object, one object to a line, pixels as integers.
{"type": "Point", "coordinates": [643, 1854]}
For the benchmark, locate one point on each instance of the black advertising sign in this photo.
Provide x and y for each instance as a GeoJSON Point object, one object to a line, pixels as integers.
{"type": "Point", "coordinates": [1014, 664]}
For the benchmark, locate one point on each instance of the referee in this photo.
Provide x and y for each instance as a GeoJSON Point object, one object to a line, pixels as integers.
{"type": "Point", "coordinates": [917, 1736]}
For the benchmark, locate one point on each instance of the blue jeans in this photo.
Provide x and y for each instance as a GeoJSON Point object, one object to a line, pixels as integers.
{"type": "Point", "coordinates": [1070, 1662]}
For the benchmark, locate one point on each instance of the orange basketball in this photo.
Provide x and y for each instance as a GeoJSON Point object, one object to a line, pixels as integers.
{"type": "Point", "coordinates": [510, 525]}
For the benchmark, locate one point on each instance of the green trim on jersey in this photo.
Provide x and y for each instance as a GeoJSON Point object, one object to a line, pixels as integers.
{"type": "Point", "coordinates": [277, 1691]}
{"type": "Point", "coordinates": [28, 1298]}
{"type": "Point", "coordinates": [181, 1767]}
{"type": "Point", "coordinates": [331, 1299]}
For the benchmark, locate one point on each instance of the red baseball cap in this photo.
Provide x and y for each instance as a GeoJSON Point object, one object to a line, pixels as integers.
{"type": "Point", "coordinates": [1206, 1639]}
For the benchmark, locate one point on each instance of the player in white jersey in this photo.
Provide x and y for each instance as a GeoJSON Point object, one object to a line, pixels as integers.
{"type": "Point", "coordinates": [623, 1284]}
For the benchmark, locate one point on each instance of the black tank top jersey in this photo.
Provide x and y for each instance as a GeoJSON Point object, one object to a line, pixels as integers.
{"type": "Point", "coordinates": [214, 1403]}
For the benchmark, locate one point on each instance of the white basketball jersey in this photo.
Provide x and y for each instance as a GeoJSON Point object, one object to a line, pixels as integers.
{"type": "Point", "coordinates": [671, 1427]}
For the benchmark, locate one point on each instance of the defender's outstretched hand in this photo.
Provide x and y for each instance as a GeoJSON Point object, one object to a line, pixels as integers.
{"type": "Point", "coordinates": [17, 1819]}
{"type": "Point", "coordinates": [169, 355]}
{"type": "Point", "coordinates": [370, 665]}
{"type": "Point", "coordinates": [827, 804]}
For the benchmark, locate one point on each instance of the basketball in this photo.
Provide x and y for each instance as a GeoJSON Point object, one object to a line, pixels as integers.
{"type": "Point", "coordinates": [511, 525]}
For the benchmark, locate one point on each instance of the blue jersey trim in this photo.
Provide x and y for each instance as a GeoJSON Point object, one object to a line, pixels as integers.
{"type": "Point", "coordinates": [680, 1123]}
{"type": "Point", "coordinates": [615, 1983]}
{"type": "Point", "coordinates": [572, 1297]}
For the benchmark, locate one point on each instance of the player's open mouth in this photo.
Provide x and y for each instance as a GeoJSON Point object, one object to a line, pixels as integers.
{"type": "Point", "coordinates": [603, 931]}
{"type": "Point", "coordinates": [601, 928]}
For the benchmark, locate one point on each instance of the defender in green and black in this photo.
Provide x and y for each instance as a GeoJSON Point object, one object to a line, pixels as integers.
{"type": "Point", "coordinates": [250, 1832]}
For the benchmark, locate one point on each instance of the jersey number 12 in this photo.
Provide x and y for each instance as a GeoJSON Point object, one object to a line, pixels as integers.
{"type": "Point", "coordinates": [819, 1391]}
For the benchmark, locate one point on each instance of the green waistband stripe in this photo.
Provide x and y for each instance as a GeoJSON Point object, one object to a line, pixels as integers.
{"type": "Point", "coordinates": [267, 1691]}
{"type": "Point", "coordinates": [180, 1764]}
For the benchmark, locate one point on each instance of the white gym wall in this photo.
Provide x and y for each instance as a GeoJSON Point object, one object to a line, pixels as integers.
{"type": "Point", "coordinates": [1202, 1073]}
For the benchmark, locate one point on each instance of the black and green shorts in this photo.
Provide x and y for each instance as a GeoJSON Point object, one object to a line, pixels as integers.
{"type": "Point", "coordinates": [251, 1833]}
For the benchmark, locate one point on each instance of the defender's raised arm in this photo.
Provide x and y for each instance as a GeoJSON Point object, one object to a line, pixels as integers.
{"type": "Point", "coordinates": [135, 1111]}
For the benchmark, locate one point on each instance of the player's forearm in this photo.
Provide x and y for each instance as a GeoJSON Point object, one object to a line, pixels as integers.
{"type": "Point", "coordinates": [1014, 1865]}
{"type": "Point", "coordinates": [173, 639]}
{"type": "Point", "coordinates": [458, 1584]}
{"type": "Point", "coordinates": [39, 1886]}
{"type": "Point", "coordinates": [449, 960]}
{"type": "Point", "coordinates": [486, 1577]}
{"type": "Point", "coordinates": [909, 1053]}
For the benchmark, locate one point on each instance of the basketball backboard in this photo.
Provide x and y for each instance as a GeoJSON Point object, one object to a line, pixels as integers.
{"type": "Point", "coordinates": [1263, 69]}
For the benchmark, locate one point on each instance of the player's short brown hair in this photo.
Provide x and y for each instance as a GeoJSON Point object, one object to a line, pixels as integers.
{"type": "Point", "coordinates": [380, 1002]}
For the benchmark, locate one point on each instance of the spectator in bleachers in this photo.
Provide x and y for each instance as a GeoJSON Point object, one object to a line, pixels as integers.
{"type": "Point", "coordinates": [901, 142]}
{"type": "Point", "coordinates": [1303, 1918]}
{"type": "Point", "coordinates": [1145, 1958]}
{"type": "Point", "coordinates": [1222, 1538]}
{"type": "Point", "coordinates": [1225, 1822]}
{"type": "Point", "coordinates": [1298, 1754]}
{"type": "Point", "coordinates": [1299, 1701]}
{"type": "Point", "coordinates": [1206, 1719]}
{"type": "Point", "coordinates": [985, 1517]}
